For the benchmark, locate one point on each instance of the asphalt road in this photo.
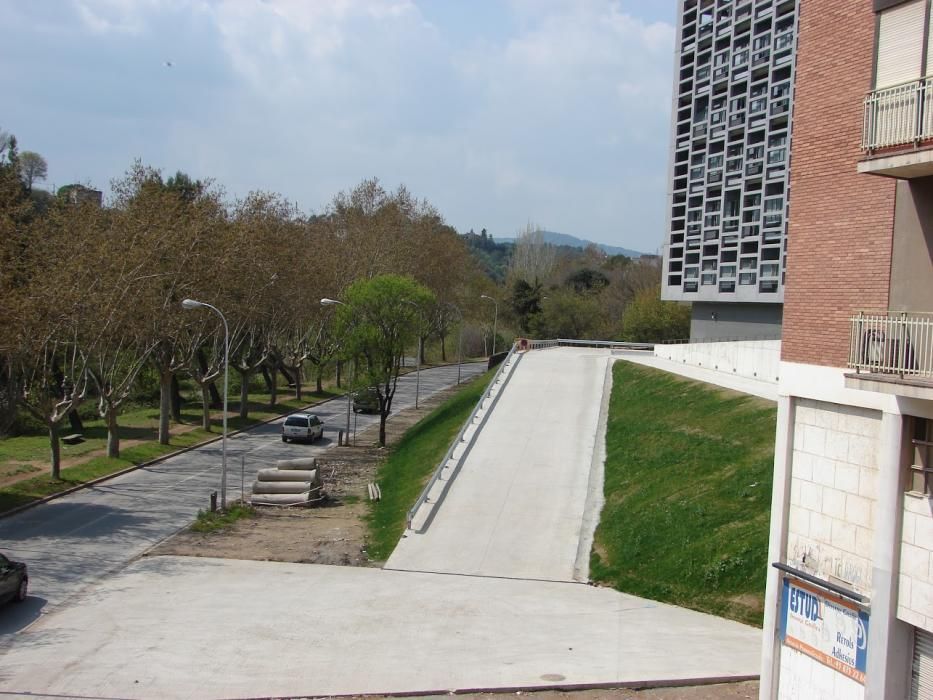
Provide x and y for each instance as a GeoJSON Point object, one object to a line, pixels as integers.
{"type": "Point", "coordinates": [78, 539]}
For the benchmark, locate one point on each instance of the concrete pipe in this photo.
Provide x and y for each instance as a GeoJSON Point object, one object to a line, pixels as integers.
{"type": "Point", "coordinates": [281, 486]}
{"type": "Point", "coordinates": [309, 475]}
{"type": "Point", "coordinates": [302, 463]}
{"type": "Point", "coordinates": [279, 499]}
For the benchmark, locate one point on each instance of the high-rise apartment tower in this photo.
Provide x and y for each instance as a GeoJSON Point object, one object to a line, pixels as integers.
{"type": "Point", "coordinates": [730, 152]}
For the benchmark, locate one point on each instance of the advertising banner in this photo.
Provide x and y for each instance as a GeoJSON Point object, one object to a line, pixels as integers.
{"type": "Point", "coordinates": [831, 629]}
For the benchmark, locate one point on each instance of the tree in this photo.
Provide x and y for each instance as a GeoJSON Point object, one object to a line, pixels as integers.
{"type": "Point", "coordinates": [649, 320]}
{"type": "Point", "coordinates": [32, 168]}
{"type": "Point", "coordinates": [533, 260]}
{"type": "Point", "coordinates": [525, 301]}
{"type": "Point", "coordinates": [380, 319]}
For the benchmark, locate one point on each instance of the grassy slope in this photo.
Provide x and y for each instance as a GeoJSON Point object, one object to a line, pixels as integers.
{"type": "Point", "coordinates": [688, 491]}
{"type": "Point", "coordinates": [411, 463]}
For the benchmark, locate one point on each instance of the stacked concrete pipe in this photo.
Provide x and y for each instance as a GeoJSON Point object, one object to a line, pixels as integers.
{"type": "Point", "coordinates": [292, 482]}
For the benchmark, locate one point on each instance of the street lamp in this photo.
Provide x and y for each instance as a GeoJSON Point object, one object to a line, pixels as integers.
{"type": "Point", "coordinates": [417, 351]}
{"type": "Point", "coordinates": [494, 322]}
{"type": "Point", "coordinates": [333, 302]}
{"type": "Point", "coordinates": [459, 339]}
{"type": "Point", "coordinates": [192, 304]}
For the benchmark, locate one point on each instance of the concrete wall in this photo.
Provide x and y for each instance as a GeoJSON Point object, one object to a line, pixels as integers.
{"type": "Point", "coordinates": [756, 359]}
{"type": "Point", "coordinates": [915, 585]}
{"type": "Point", "coordinates": [912, 250]}
{"type": "Point", "coordinates": [802, 678]}
{"type": "Point", "coordinates": [732, 321]}
{"type": "Point", "coordinates": [833, 487]}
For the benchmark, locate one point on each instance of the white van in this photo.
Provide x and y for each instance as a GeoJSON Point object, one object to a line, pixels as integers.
{"type": "Point", "coordinates": [302, 426]}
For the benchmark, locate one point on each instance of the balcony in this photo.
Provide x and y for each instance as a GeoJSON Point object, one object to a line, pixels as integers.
{"type": "Point", "coordinates": [897, 129]}
{"type": "Point", "coordinates": [892, 352]}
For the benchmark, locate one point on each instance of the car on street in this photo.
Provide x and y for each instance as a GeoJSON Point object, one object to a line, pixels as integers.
{"type": "Point", "coordinates": [14, 580]}
{"type": "Point", "coordinates": [366, 400]}
{"type": "Point", "coordinates": [302, 426]}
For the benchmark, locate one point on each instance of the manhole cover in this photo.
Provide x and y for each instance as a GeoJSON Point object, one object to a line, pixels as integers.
{"type": "Point", "coordinates": [553, 677]}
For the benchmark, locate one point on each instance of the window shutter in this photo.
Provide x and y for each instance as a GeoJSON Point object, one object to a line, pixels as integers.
{"type": "Point", "coordinates": [900, 44]}
{"type": "Point", "coordinates": [921, 682]}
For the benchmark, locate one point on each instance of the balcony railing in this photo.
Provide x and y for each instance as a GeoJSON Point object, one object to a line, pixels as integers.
{"type": "Point", "coordinates": [898, 115]}
{"type": "Point", "coordinates": [892, 342]}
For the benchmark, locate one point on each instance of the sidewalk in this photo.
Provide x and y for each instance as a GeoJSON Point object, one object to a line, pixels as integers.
{"type": "Point", "coordinates": [173, 627]}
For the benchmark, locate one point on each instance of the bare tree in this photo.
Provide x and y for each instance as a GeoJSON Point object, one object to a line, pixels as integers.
{"type": "Point", "coordinates": [533, 260]}
{"type": "Point", "coordinates": [32, 167]}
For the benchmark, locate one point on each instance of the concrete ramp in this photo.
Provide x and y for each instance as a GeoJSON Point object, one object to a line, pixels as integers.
{"type": "Point", "coordinates": [516, 508]}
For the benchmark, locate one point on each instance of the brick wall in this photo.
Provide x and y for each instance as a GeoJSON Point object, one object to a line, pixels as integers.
{"type": "Point", "coordinates": [839, 234]}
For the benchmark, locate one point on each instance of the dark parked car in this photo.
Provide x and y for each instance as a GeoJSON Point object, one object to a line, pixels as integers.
{"type": "Point", "coordinates": [14, 580]}
{"type": "Point", "coordinates": [366, 400]}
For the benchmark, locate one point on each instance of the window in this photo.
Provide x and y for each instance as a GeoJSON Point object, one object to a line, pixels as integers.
{"type": "Point", "coordinates": [900, 44]}
{"type": "Point", "coordinates": [921, 468]}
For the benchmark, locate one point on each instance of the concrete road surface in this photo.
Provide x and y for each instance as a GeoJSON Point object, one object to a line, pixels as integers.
{"type": "Point", "coordinates": [516, 507]}
{"type": "Point", "coordinates": [174, 627]}
{"type": "Point", "coordinates": [77, 539]}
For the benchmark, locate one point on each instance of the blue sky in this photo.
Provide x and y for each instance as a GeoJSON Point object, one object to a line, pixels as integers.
{"type": "Point", "coordinates": [498, 112]}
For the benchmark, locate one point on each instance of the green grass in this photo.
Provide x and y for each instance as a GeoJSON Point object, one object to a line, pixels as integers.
{"type": "Point", "coordinates": [212, 521]}
{"type": "Point", "coordinates": [688, 493]}
{"type": "Point", "coordinates": [140, 424]}
{"type": "Point", "coordinates": [410, 464]}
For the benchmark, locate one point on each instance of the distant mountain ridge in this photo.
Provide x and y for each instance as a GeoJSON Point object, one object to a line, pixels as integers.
{"type": "Point", "coordinates": [555, 238]}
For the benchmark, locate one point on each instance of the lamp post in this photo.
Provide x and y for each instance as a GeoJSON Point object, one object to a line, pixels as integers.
{"type": "Point", "coordinates": [417, 351]}
{"type": "Point", "coordinates": [333, 302]}
{"type": "Point", "coordinates": [192, 304]}
{"type": "Point", "coordinates": [494, 322]}
{"type": "Point", "coordinates": [459, 339]}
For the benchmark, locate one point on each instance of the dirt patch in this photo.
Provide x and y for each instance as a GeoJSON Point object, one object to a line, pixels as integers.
{"type": "Point", "coordinates": [332, 533]}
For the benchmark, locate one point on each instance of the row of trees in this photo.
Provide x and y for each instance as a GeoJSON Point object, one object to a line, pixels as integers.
{"type": "Point", "coordinates": [92, 295]}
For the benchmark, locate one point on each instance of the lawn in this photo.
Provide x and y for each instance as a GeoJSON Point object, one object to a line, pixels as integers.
{"type": "Point", "coordinates": [18, 455]}
{"type": "Point", "coordinates": [411, 463]}
{"type": "Point", "coordinates": [688, 494]}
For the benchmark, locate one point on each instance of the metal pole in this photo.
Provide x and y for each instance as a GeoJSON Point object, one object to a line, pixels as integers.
{"type": "Point", "coordinates": [495, 323]}
{"type": "Point", "coordinates": [350, 399]}
{"type": "Point", "coordinates": [418, 371]}
{"type": "Point", "coordinates": [460, 351]}
{"type": "Point", "coordinates": [242, 479]}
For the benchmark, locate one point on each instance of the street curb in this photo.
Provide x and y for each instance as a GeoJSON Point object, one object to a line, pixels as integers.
{"type": "Point", "coordinates": [515, 689]}
{"type": "Point", "coordinates": [162, 458]}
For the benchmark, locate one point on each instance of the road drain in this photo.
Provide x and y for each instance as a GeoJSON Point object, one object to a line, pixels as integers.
{"type": "Point", "coordinates": [553, 677]}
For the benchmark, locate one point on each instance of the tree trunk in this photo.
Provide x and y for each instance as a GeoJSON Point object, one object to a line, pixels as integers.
{"type": "Point", "coordinates": [77, 426]}
{"type": "Point", "coordinates": [113, 436]}
{"type": "Point", "coordinates": [216, 399]}
{"type": "Point", "coordinates": [176, 399]}
{"type": "Point", "coordinates": [56, 449]}
{"type": "Point", "coordinates": [319, 379]}
{"type": "Point", "coordinates": [339, 367]}
{"type": "Point", "coordinates": [273, 386]}
{"type": "Point", "coordinates": [206, 406]}
{"type": "Point", "coordinates": [298, 383]}
{"type": "Point", "coordinates": [165, 404]}
{"type": "Point", "coordinates": [382, 429]}
{"type": "Point", "coordinates": [421, 350]}
{"type": "Point", "coordinates": [443, 347]}
{"type": "Point", "coordinates": [244, 393]}
{"type": "Point", "coordinates": [270, 385]}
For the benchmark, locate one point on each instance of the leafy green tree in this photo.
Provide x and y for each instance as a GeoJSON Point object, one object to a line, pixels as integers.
{"type": "Point", "coordinates": [566, 314]}
{"type": "Point", "coordinates": [380, 318]}
{"type": "Point", "coordinates": [648, 319]}
{"type": "Point", "coordinates": [525, 302]}
{"type": "Point", "coordinates": [587, 280]}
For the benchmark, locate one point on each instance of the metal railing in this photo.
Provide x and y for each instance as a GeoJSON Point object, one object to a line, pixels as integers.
{"type": "Point", "coordinates": [449, 456]}
{"type": "Point", "coordinates": [892, 342]}
{"type": "Point", "coordinates": [897, 115]}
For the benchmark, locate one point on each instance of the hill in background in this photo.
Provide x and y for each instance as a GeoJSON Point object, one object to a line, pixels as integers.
{"type": "Point", "coordinates": [565, 239]}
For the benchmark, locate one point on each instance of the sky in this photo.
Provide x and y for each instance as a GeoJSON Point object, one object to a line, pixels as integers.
{"type": "Point", "coordinates": [497, 112]}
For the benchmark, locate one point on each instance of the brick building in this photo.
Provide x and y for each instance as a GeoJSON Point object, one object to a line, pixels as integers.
{"type": "Point", "coordinates": [730, 146]}
{"type": "Point", "coordinates": [849, 606]}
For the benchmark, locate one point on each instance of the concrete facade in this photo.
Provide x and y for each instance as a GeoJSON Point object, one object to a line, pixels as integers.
{"type": "Point", "coordinates": [753, 359]}
{"type": "Point", "coordinates": [720, 321]}
{"type": "Point", "coordinates": [730, 152]}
